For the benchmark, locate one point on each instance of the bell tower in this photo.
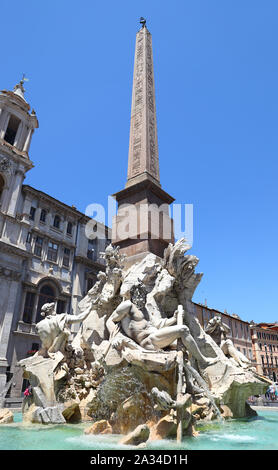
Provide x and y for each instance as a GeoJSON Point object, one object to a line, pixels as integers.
{"type": "Point", "coordinates": [17, 125]}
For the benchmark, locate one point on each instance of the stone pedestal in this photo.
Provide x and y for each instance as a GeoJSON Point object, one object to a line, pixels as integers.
{"type": "Point", "coordinates": [143, 224]}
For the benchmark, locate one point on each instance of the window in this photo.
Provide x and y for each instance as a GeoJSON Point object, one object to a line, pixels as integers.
{"type": "Point", "coordinates": [61, 306]}
{"type": "Point", "coordinates": [38, 246]}
{"type": "Point", "coordinates": [66, 257]}
{"type": "Point", "coordinates": [46, 295]}
{"type": "Point", "coordinates": [57, 221]}
{"type": "Point", "coordinates": [52, 251]}
{"type": "Point", "coordinates": [260, 346]}
{"type": "Point", "coordinates": [92, 249]}
{"type": "Point", "coordinates": [29, 237]}
{"type": "Point", "coordinates": [69, 228]}
{"type": "Point", "coordinates": [32, 213]}
{"type": "Point", "coordinates": [12, 130]}
{"type": "Point", "coordinates": [28, 307]}
{"type": "Point", "coordinates": [43, 215]}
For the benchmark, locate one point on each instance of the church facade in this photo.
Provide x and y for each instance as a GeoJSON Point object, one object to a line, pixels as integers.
{"type": "Point", "coordinates": [45, 255]}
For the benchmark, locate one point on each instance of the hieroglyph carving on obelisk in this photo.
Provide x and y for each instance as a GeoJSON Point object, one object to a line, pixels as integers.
{"type": "Point", "coordinates": [143, 148]}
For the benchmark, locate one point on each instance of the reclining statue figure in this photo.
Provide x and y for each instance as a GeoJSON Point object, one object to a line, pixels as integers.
{"type": "Point", "coordinates": [218, 330]}
{"type": "Point", "coordinates": [149, 333]}
{"type": "Point", "coordinates": [54, 329]}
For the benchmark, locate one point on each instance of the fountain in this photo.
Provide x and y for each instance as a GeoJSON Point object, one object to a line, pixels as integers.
{"type": "Point", "coordinates": [140, 365]}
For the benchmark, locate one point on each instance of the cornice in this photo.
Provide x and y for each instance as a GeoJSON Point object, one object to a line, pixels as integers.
{"type": "Point", "coordinates": [61, 206]}
{"type": "Point", "coordinates": [7, 248]}
{"type": "Point", "coordinates": [18, 155]}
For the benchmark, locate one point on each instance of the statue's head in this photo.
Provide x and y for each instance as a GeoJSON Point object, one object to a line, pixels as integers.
{"type": "Point", "coordinates": [48, 309]}
{"type": "Point", "coordinates": [138, 294]}
{"type": "Point", "coordinates": [217, 319]}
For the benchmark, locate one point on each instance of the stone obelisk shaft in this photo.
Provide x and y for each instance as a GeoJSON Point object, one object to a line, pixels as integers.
{"type": "Point", "coordinates": [143, 224]}
{"type": "Point", "coordinates": [143, 160]}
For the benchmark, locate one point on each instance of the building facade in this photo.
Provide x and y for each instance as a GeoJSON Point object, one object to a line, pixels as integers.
{"type": "Point", "coordinates": [265, 348]}
{"type": "Point", "coordinates": [45, 255]}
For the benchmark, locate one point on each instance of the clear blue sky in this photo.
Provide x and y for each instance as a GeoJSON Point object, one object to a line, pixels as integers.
{"type": "Point", "coordinates": [216, 78]}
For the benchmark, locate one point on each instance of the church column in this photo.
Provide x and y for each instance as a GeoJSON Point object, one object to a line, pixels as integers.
{"type": "Point", "coordinates": [18, 135]}
{"type": "Point", "coordinates": [82, 241]}
{"type": "Point", "coordinates": [28, 140]}
{"type": "Point", "coordinates": [35, 308]}
{"type": "Point", "coordinates": [6, 330]}
{"type": "Point", "coordinates": [5, 116]}
{"type": "Point", "coordinates": [17, 184]}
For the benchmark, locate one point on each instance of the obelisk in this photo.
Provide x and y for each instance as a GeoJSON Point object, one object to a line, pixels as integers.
{"type": "Point", "coordinates": [143, 224]}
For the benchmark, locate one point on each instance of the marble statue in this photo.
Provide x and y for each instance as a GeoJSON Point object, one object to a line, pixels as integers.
{"type": "Point", "coordinates": [135, 361]}
{"type": "Point", "coordinates": [218, 330]}
{"type": "Point", "coordinates": [54, 330]}
{"type": "Point", "coordinates": [152, 334]}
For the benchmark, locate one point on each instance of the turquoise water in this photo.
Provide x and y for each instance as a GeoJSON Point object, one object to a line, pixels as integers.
{"type": "Point", "coordinates": [245, 434]}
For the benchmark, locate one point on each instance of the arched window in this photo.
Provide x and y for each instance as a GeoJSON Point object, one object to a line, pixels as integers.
{"type": "Point", "coordinates": [57, 221]}
{"type": "Point", "coordinates": [46, 295]}
{"type": "Point", "coordinates": [28, 307]}
{"type": "Point", "coordinates": [92, 249]}
{"type": "Point", "coordinates": [12, 129]}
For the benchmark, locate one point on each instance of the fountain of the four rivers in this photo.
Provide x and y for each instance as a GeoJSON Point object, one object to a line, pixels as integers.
{"type": "Point", "coordinates": [141, 366]}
